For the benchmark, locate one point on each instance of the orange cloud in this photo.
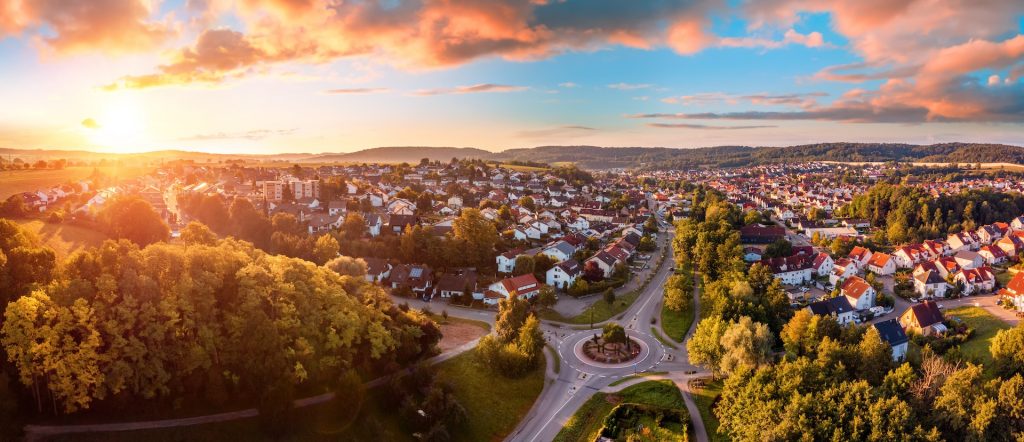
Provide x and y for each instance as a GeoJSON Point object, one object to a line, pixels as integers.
{"type": "Point", "coordinates": [78, 25]}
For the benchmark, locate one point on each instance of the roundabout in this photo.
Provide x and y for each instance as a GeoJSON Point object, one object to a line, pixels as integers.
{"type": "Point", "coordinates": [646, 355]}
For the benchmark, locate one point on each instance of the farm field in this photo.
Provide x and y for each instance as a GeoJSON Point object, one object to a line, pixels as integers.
{"type": "Point", "coordinates": [18, 181]}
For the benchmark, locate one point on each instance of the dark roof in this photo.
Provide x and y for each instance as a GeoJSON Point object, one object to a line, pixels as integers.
{"type": "Point", "coordinates": [570, 266]}
{"type": "Point", "coordinates": [375, 266]}
{"type": "Point", "coordinates": [927, 313]}
{"type": "Point", "coordinates": [457, 282]}
{"type": "Point", "coordinates": [891, 332]}
{"type": "Point", "coordinates": [830, 306]}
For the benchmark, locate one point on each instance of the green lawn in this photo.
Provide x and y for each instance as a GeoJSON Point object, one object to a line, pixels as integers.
{"type": "Point", "coordinates": [985, 327]}
{"type": "Point", "coordinates": [676, 324]}
{"type": "Point", "coordinates": [587, 422]}
{"type": "Point", "coordinates": [705, 398]}
{"type": "Point", "coordinates": [494, 406]}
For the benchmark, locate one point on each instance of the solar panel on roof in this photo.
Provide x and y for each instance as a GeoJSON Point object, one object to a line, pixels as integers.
{"type": "Point", "coordinates": [416, 272]}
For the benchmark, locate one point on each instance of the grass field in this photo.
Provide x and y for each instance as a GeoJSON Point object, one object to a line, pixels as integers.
{"type": "Point", "coordinates": [676, 324]}
{"type": "Point", "coordinates": [18, 181]}
{"type": "Point", "coordinates": [587, 422]}
{"type": "Point", "coordinates": [985, 327]}
{"type": "Point", "coordinates": [62, 238]}
{"type": "Point", "coordinates": [493, 406]}
{"type": "Point", "coordinates": [705, 398]}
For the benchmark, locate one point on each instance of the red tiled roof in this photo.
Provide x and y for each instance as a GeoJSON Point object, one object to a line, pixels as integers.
{"type": "Point", "coordinates": [855, 287]}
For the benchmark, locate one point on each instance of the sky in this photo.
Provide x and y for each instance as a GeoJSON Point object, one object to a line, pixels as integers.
{"type": "Point", "coordinates": [268, 76]}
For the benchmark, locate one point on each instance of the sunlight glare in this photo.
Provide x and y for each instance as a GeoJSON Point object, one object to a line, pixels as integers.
{"type": "Point", "coordinates": [122, 126]}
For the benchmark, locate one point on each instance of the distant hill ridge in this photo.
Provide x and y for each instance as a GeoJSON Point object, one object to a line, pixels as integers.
{"type": "Point", "coordinates": [596, 157]}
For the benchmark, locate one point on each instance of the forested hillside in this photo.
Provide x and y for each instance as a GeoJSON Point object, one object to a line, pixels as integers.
{"type": "Point", "coordinates": [206, 321]}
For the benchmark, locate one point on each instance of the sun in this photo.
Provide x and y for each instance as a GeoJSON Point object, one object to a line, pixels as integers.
{"type": "Point", "coordinates": [120, 128]}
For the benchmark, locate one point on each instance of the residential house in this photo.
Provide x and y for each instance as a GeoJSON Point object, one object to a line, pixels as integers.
{"type": "Point", "coordinates": [992, 254]}
{"type": "Point", "coordinates": [456, 283]}
{"type": "Point", "coordinates": [929, 283]}
{"type": "Point", "coordinates": [860, 294]}
{"type": "Point", "coordinates": [925, 318]}
{"type": "Point", "coordinates": [373, 224]}
{"type": "Point", "coordinates": [882, 264]}
{"type": "Point", "coordinates": [377, 269]}
{"type": "Point", "coordinates": [559, 251]}
{"type": "Point", "coordinates": [977, 280]}
{"type": "Point", "coordinates": [760, 234]}
{"type": "Point", "coordinates": [564, 274]}
{"type": "Point", "coordinates": [525, 286]}
{"type": "Point", "coordinates": [892, 333]}
{"type": "Point", "coordinates": [604, 261]}
{"type": "Point", "coordinates": [792, 270]}
{"type": "Point", "coordinates": [822, 264]}
{"type": "Point", "coordinates": [1014, 291]}
{"type": "Point", "coordinates": [838, 307]}
{"type": "Point", "coordinates": [418, 278]}
{"type": "Point", "coordinates": [860, 255]}
{"type": "Point", "coordinates": [967, 259]}
{"type": "Point", "coordinates": [842, 269]}
{"type": "Point", "coordinates": [507, 261]}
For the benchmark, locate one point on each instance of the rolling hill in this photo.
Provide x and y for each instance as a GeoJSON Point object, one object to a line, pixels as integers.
{"type": "Point", "coordinates": [596, 157]}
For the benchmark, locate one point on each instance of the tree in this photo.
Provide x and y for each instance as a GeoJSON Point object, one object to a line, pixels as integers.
{"type": "Point", "coordinates": [479, 236]}
{"type": "Point", "coordinates": [528, 203]}
{"type": "Point", "coordinates": [679, 292]}
{"type": "Point", "coordinates": [197, 233]}
{"type": "Point", "coordinates": [705, 347]}
{"type": "Point", "coordinates": [531, 339]}
{"type": "Point", "coordinates": [802, 334]}
{"type": "Point", "coordinates": [874, 356]}
{"type": "Point", "coordinates": [325, 249]}
{"type": "Point", "coordinates": [609, 296]}
{"type": "Point", "coordinates": [347, 266]}
{"type": "Point", "coordinates": [746, 345]}
{"type": "Point", "coordinates": [1007, 350]}
{"type": "Point", "coordinates": [512, 313]}
{"type": "Point", "coordinates": [523, 265]}
{"type": "Point", "coordinates": [547, 297]}
{"type": "Point", "coordinates": [778, 248]}
{"type": "Point", "coordinates": [134, 219]}
{"type": "Point", "coordinates": [613, 333]}
{"type": "Point", "coordinates": [354, 226]}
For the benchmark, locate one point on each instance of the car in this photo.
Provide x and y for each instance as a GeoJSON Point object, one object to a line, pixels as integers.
{"type": "Point", "coordinates": [941, 306]}
{"type": "Point", "coordinates": [914, 300]}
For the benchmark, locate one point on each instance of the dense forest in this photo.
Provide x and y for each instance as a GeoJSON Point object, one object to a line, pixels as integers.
{"type": "Point", "coordinates": [910, 214]}
{"type": "Point", "coordinates": [201, 320]}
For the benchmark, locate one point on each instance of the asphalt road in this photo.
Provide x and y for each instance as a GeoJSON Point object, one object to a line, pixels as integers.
{"type": "Point", "coordinates": [578, 378]}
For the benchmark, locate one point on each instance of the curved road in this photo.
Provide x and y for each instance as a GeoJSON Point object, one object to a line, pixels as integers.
{"type": "Point", "coordinates": [578, 379]}
{"type": "Point", "coordinates": [564, 392]}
